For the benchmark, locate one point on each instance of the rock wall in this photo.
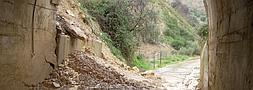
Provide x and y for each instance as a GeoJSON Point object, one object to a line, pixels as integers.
{"type": "Point", "coordinates": [230, 44]}
{"type": "Point", "coordinates": [27, 42]}
{"type": "Point", "coordinates": [76, 31]}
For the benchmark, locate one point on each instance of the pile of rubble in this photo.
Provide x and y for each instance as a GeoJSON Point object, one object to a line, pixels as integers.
{"type": "Point", "coordinates": [82, 71]}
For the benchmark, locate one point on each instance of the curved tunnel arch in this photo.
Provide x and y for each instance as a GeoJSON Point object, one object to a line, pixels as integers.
{"type": "Point", "coordinates": [230, 43]}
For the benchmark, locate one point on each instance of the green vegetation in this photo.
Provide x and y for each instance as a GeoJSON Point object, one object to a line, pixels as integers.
{"type": "Point", "coordinates": [140, 62]}
{"type": "Point", "coordinates": [203, 32]}
{"type": "Point", "coordinates": [126, 23]}
{"type": "Point", "coordinates": [171, 60]}
{"type": "Point", "coordinates": [179, 33]}
{"type": "Point", "coordinates": [114, 19]}
{"type": "Point", "coordinates": [193, 14]}
{"type": "Point", "coordinates": [122, 21]}
{"type": "Point", "coordinates": [115, 51]}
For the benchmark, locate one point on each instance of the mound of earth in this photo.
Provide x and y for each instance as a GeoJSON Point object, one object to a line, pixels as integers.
{"type": "Point", "coordinates": [82, 71]}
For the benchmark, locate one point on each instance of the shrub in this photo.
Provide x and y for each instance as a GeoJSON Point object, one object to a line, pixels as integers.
{"type": "Point", "coordinates": [115, 51]}
{"type": "Point", "coordinates": [203, 33]}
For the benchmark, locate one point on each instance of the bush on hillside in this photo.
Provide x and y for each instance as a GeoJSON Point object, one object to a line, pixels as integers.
{"type": "Point", "coordinates": [123, 20]}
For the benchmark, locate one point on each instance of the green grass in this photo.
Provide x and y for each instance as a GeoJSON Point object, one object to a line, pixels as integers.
{"type": "Point", "coordinates": [140, 62]}
{"type": "Point", "coordinates": [171, 60]}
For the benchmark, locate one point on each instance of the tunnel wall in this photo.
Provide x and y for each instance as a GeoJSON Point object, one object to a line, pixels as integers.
{"type": "Point", "coordinates": [230, 44]}
{"type": "Point", "coordinates": [27, 42]}
{"type": "Point", "coordinates": [203, 84]}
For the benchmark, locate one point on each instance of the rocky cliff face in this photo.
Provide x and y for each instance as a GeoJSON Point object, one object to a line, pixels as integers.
{"type": "Point", "coordinates": [230, 44]}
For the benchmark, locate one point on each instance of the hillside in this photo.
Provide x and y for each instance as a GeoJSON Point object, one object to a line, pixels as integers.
{"type": "Point", "coordinates": [130, 27]}
{"type": "Point", "coordinates": [174, 31]}
{"type": "Point", "coordinates": [192, 10]}
{"type": "Point", "coordinates": [195, 4]}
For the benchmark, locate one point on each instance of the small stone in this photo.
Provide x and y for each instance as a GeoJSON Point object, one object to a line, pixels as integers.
{"type": "Point", "coordinates": [57, 85]}
{"type": "Point", "coordinates": [73, 88]}
{"type": "Point", "coordinates": [135, 69]}
{"type": "Point", "coordinates": [56, 2]}
{"type": "Point", "coordinates": [70, 13]}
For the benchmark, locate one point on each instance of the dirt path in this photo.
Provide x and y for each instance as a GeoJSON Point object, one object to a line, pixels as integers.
{"type": "Point", "coordinates": [181, 76]}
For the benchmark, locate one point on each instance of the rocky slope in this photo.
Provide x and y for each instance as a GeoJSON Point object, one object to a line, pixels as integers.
{"type": "Point", "coordinates": [90, 67]}
{"type": "Point", "coordinates": [83, 71]}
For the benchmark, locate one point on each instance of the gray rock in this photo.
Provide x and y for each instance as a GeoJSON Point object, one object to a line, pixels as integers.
{"type": "Point", "coordinates": [57, 85]}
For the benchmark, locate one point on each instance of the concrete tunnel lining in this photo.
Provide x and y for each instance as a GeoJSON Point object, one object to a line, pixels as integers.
{"type": "Point", "coordinates": [230, 44]}
{"type": "Point", "coordinates": [27, 41]}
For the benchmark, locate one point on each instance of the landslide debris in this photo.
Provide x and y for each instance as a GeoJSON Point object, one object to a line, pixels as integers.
{"type": "Point", "coordinates": [82, 71]}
